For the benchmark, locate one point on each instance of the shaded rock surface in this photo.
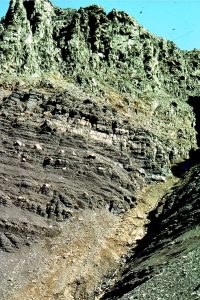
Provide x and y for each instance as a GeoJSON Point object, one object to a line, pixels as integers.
{"type": "Point", "coordinates": [166, 261]}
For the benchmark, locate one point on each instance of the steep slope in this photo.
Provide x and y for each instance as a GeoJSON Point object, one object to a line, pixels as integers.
{"type": "Point", "coordinates": [70, 167]}
{"type": "Point", "coordinates": [167, 261]}
{"type": "Point", "coordinates": [95, 48]}
{"type": "Point", "coordinates": [97, 118]}
{"type": "Point", "coordinates": [63, 152]}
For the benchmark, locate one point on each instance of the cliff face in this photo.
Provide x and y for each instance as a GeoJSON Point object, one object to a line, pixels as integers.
{"type": "Point", "coordinates": [95, 48]}
{"type": "Point", "coordinates": [98, 117]}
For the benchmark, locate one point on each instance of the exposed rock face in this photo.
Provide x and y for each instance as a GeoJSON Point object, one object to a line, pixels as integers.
{"type": "Point", "coordinates": [77, 155]}
{"type": "Point", "coordinates": [84, 155]}
{"type": "Point", "coordinates": [172, 234]}
{"type": "Point", "coordinates": [95, 48]}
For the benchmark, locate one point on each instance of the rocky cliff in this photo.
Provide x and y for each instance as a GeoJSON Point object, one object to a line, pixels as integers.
{"type": "Point", "coordinates": [99, 118]}
{"type": "Point", "coordinates": [95, 48]}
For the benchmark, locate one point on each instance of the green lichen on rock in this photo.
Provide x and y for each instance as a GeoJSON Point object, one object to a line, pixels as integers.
{"type": "Point", "coordinates": [94, 48]}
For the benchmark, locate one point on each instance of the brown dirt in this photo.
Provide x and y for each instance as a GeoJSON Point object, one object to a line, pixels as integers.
{"type": "Point", "coordinates": [90, 247]}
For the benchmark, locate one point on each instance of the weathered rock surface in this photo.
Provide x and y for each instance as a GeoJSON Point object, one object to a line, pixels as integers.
{"type": "Point", "coordinates": [168, 256]}
{"type": "Point", "coordinates": [94, 111]}
{"type": "Point", "coordinates": [60, 153]}
{"type": "Point", "coordinates": [95, 48]}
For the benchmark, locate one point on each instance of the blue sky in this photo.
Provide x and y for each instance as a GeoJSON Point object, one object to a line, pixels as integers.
{"type": "Point", "coordinates": [176, 20]}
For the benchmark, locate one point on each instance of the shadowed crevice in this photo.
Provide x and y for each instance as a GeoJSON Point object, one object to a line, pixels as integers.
{"type": "Point", "coordinates": [194, 101]}
{"type": "Point", "coordinates": [181, 168]}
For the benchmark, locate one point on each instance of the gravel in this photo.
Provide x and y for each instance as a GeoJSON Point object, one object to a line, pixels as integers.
{"type": "Point", "coordinates": [178, 280]}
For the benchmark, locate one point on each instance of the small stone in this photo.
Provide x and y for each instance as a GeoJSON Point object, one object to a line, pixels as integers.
{"type": "Point", "coordinates": [141, 171]}
{"type": "Point", "coordinates": [18, 143]}
{"type": "Point", "coordinates": [140, 215]}
{"type": "Point", "coordinates": [62, 151]}
{"type": "Point", "coordinates": [94, 82]}
{"type": "Point", "coordinates": [158, 178]}
{"type": "Point", "coordinates": [38, 147]}
{"type": "Point", "coordinates": [21, 198]}
{"type": "Point", "coordinates": [101, 55]}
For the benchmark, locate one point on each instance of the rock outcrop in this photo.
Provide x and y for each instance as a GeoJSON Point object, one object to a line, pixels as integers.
{"type": "Point", "coordinates": [94, 48]}
{"type": "Point", "coordinates": [96, 114]}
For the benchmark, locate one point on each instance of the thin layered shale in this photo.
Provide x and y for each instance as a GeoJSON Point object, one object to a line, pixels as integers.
{"type": "Point", "coordinates": [99, 118]}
